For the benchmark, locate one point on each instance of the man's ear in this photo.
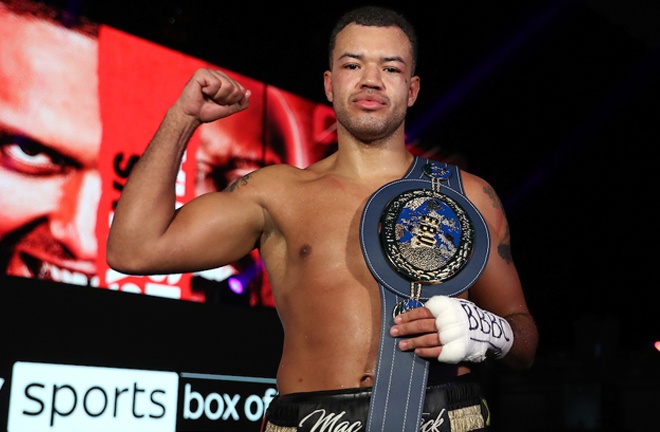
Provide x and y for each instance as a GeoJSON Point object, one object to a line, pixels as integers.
{"type": "Point", "coordinates": [327, 85]}
{"type": "Point", "coordinates": [413, 90]}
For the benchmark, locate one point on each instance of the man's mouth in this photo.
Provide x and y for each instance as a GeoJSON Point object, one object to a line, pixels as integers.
{"type": "Point", "coordinates": [368, 104]}
{"type": "Point", "coordinates": [368, 99]}
{"type": "Point", "coordinates": [35, 254]}
{"type": "Point", "coordinates": [25, 265]}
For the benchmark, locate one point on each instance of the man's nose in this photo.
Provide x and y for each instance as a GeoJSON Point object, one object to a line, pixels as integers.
{"type": "Point", "coordinates": [73, 223]}
{"type": "Point", "coordinates": [371, 77]}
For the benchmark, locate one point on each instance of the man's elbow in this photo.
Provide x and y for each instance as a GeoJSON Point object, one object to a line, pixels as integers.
{"type": "Point", "coordinates": [120, 259]}
{"type": "Point", "coordinates": [524, 362]}
{"type": "Point", "coordinates": [519, 358]}
{"type": "Point", "coordinates": [116, 262]}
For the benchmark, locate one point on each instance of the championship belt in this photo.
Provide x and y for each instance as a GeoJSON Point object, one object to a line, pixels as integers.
{"type": "Point", "coordinates": [420, 237]}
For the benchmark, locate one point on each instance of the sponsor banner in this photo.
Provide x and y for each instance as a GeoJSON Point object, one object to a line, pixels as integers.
{"type": "Point", "coordinates": [223, 403]}
{"type": "Point", "coordinates": [68, 398]}
{"type": "Point", "coordinates": [48, 397]}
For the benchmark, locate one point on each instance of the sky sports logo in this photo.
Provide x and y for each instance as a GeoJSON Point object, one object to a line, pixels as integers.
{"type": "Point", "coordinates": [69, 398]}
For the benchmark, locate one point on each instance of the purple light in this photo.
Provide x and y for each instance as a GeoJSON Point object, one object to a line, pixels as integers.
{"type": "Point", "coordinates": [236, 285]}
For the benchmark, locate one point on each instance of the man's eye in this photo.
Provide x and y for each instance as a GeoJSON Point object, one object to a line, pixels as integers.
{"type": "Point", "coordinates": [25, 156]}
{"type": "Point", "coordinates": [223, 175]}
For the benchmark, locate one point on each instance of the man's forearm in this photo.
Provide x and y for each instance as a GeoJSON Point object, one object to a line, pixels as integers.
{"type": "Point", "coordinates": [147, 202]}
{"type": "Point", "coordinates": [523, 351]}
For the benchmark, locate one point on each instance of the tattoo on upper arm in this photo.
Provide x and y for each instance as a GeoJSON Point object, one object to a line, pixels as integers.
{"type": "Point", "coordinates": [488, 190]}
{"type": "Point", "coordinates": [504, 248]}
{"type": "Point", "coordinates": [238, 182]}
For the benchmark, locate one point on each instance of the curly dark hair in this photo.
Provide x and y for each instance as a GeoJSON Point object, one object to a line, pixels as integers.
{"type": "Point", "coordinates": [375, 16]}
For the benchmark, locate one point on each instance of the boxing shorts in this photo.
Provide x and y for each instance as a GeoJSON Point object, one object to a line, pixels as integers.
{"type": "Point", "coordinates": [456, 406]}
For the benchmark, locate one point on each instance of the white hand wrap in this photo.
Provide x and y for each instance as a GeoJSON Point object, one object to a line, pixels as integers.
{"type": "Point", "coordinates": [468, 332]}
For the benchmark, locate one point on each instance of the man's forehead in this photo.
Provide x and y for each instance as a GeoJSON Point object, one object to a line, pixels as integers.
{"type": "Point", "coordinates": [48, 82]}
{"type": "Point", "coordinates": [387, 42]}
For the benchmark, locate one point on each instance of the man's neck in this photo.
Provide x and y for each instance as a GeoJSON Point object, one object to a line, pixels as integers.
{"type": "Point", "coordinates": [384, 159]}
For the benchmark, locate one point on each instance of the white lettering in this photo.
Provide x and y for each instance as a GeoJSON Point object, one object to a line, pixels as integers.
{"type": "Point", "coordinates": [330, 422]}
{"type": "Point", "coordinates": [189, 395]}
{"type": "Point", "coordinates": [250, 402]}
{"type": "Point", "coordinates": [231, 406]}
{"type": "Point", "coordinates": [216, 406]}
{"type": "Point", "coordinates": [60, 398]}
{"type": "Point", "coordinates": [214, 415]}
{"type": "Point", "coordinates": [433, 425]}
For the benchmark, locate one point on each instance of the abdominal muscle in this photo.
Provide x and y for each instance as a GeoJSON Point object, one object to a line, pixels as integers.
{"type": "Point", "coordinates": [331, 329]}
{"type": "Point", "coordinates": [331, 336]}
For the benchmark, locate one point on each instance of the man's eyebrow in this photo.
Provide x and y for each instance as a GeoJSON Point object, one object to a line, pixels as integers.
{"type": "Point", "coordinates": [397, 59]}
{"type": "Point", "coordinates": [394, 59]}
{"type": "Point", "coordinates": [349, 55]}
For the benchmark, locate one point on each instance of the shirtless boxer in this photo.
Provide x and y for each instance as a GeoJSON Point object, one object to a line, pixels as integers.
{"type": "Point", "coordinates": [306, 225]}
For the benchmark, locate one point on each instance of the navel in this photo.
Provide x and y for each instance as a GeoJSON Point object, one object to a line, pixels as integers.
{"type": "Point", "coordinates": [367, 379]}
{"type": "Point", "coordinates": [305, 251]}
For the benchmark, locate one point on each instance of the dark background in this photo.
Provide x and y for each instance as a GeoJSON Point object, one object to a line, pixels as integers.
{"type": "Point", "coordinates": [556, 104]}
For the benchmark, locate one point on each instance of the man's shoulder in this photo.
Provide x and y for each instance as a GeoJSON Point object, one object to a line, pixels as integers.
{"type": "Point", "coordinates": [472, 181]}
{"type": "Point", "coordinates": [272, 176]}
{"type": "Point", "coordinates": [280, 172]}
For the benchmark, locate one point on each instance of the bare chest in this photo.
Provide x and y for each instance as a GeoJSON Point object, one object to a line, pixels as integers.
{"type": "Point", "coordinates": [316, 232]}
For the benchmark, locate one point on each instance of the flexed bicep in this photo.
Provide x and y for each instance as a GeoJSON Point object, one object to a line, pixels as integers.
{"type": "Point", "coordinates": [147, 236]}
{"type": "Point", "coordinates": [212, 230]}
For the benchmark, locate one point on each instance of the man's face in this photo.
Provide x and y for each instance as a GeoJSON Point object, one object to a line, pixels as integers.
{"type": "Point", "coordinates": [229, 150]}
{"type": "Point", "coordinates": [50, 144]}
{"type": "Point", "coordinates": [50, 134]}
{"type": "Point", "coordinates": [370, 85]}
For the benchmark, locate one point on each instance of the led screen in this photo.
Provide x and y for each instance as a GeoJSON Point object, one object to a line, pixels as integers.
{"type": "Point", "coordinates": [78, 105]}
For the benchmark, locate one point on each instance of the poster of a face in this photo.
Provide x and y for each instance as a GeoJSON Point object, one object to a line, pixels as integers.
{"type": "Point", "coordinates": [78, 106]}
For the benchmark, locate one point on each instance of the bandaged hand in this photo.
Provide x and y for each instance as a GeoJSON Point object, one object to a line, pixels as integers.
{"type": "Point", "coordinates": [467, 332]}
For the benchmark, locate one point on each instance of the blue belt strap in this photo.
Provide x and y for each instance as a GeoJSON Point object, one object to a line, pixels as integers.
{"type": "Point", "coordinates": [401, 377]}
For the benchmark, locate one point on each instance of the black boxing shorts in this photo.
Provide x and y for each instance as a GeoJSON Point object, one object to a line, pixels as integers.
{"type": "Point", "coordinates": [457, 406]}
